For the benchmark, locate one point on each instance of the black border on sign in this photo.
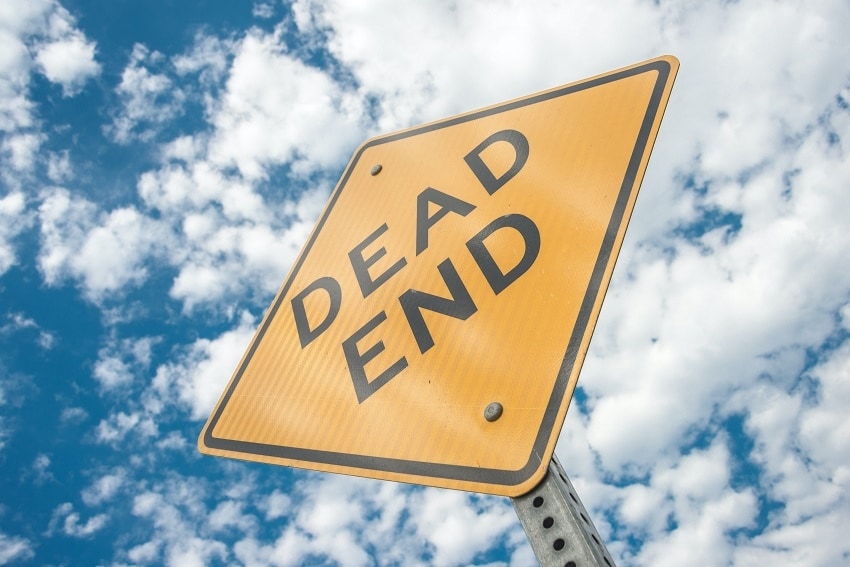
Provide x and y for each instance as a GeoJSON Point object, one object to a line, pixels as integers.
{"type": "Point", "coordinates": [458, 472]}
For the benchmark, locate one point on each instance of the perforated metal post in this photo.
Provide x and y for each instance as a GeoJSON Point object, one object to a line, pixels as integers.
{"type": "Point", "coordinates": [558, 526]}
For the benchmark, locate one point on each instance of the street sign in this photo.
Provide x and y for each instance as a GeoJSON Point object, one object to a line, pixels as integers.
{"type": "Point", "coordinates": [433, 327]}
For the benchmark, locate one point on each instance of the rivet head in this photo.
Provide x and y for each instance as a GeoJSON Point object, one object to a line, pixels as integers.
{"type": "Point", "coordinates": [376, 169]}
{"type": "Point", "coordinates": [493, 411]}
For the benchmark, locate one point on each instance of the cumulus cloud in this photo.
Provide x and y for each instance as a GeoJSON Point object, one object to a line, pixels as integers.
{"type": "Point", "coordinates": [149, 98]}
{"type": "Point", "coordinates": [68, 61]}
{"type": "Point", "coordinates": [66, 520]}
{"type": "Point", "coordinates": [104, 488]}
{"type": "Point", "coordinates": [766, 262]}
{"type": "Point", "coordinates": [210, 272]}
{"type": "Point", "coordinates": [13, 220]}
{"type": "Point", "coordinates": [209, 57]}
{"type": "Point", "coordinates": [15, 389]}
{"type": "Point", "coordinates": [59, 167]}
{"type": "Point", "coordinates": [230, 514]}
{"type": "Point", "coordinates": [276, 109]}
{"type": "Point", "coordinates": [41, 469]}
{"type": "Point", "coordinates": [824, 429]}
{"type": "Point", "coordinates": [40, 36]}
{"type": "Point", "coordinates": [197, 378]}
{"type": "Point", "coordinates": [120, 359]}
{"type": "Point", "coordinates": [263, 10]}
{"type": "Point", "coordinates": [20, 150]}
{"type": "Point", "coordinates": [443, 516]}
{"type": "Point", "coordinates": [176, 510]}
{"type": "Point", "coordinates": [732, 279]}
{"type": "Point", "coordinates": [329, 525]}
{"type": "Point", "coordinates": [230, 236]}
{"type": "Point", "coordinates": [119, 424]}
{"type": "Point", "coordinates": [277, 505]}
{"type": "Point", "coordinates": [103, 251]}
{"type": "Point", "coordinates": [16, 111]}
{"type": "Point", "coordinates": [73, 415]}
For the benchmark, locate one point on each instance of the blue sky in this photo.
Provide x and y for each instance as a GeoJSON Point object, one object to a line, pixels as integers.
{"type": "Point", "coordinates": [161, 164]}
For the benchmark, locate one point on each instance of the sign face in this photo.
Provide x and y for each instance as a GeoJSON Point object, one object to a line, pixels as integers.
{"type": "Point", "coordinates": [433, 327]}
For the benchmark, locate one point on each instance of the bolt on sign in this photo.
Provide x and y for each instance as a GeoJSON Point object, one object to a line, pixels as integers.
{"type": "Point", "coordinates": [433, 327]}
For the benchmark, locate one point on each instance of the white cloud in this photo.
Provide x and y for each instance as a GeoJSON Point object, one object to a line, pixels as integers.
{"type": "Point", "coordinates": [229, 514]}
{"type": "Point", "coordinates": [277, 505]}
{"type": "Point", "coordinates": [149, 99]}
{"type": "Point", "coordinates": [257, 124]}
{"type": "Point", "coordinates": [41, 35]}
{"type": "Point", "coordinates": [234, 258]}
{"type": "Point", "coordinates": [12, 222]}
{"type": "Point", "coordinates": [178, 189]}
{"type": "Point", "coordinates": [819, 540]}
{"type": "Point", "coordinates": [17, 322]}
{"type": "Point", "coordinates": [65, 517]}
{"type": "Point", "coordinates": [443, 517]}
{"type": "Point", "coordinates": [16, 111]}
{"type": "Point", "coordinates": [59, 166]}
{"type": "Point", "coordinates": [145, 553]}
{"type": "Point", "coordinates": [41, 469]}
{"type": "Point", "coordinates": [21, 149]}
{"type": "Point", "coordinates": [230, 236]}
{"type": "Point", "coordinates": [183, 148]}
{"type": "Point", "coordinates": [173, 442]}
{"type": "Point", "coordinates": [209, 56]}
{"type": "Point", "coordinates": [802, 467]}
{"type": "Point", "coordinates": [194, 552]}
{"type": "Point", "coordinates": [118, 361]}
{"type": "Point", "coordinates": [264, 10]}
{"type": "Point", "coordinates": [19, 19]}
{"type": "Point", "coordinates": [103, 251]}
{"type": "Point", "coordinates": [198, 377]}
{"type": "Point", "coordinates": [73, 415]}
{"type": "Point", "coordinates": [444, 58]}
{"type": "Point", "coordinates": [824, 428]}
{"type": "Point", "coordinates": [14, 390]}
{"type": "Point", "coordinates": [116, 427]}
{"type": "Point", "coordinates": [768, 263]}
{"type": "Point", "coordinates": [5, 431]}
{"type": "Point", "coordinates": [406, 525]}
{"type": "Point", "coordinates": [176, 510]}
{"type": "Point", "coordinates": [104, 488]}
{"type": "Point", "coordinates": [15, 548]}
{"type": "Point", "coordinates": [112, 372]}
{"type": "Point", "coordinates": [227, 253]}
{"type": "Point", "coordinates": [68, 61]}
{"type": "Point", "coordinates": [704, 536]}
{"type": "Point", "coordinates": [62, 53]}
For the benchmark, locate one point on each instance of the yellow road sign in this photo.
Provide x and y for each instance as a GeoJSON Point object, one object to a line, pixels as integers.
{"type": "Point", "coordinates": [433, 327]}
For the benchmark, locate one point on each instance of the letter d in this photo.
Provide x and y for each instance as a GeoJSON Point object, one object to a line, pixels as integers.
{"type": "Point", "coordinates": [499, 280]}
{"type": "Point", "coordinates": [488, 180]}
{"type": "Point", "coordinates": [306, 334]}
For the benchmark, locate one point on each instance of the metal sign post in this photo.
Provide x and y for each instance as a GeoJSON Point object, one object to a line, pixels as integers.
{"type": "Point", "coordinates": [558, 525]}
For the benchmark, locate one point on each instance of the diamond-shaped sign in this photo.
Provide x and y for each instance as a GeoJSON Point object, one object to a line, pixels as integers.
{"type": "Point", "coordinates": [433, 327]}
